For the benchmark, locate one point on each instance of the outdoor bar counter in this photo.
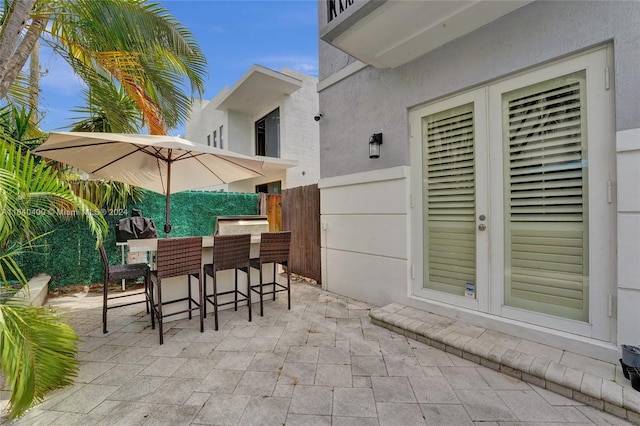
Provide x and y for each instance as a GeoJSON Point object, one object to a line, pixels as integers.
{"type": "Point", "coordinates": [175, 288]}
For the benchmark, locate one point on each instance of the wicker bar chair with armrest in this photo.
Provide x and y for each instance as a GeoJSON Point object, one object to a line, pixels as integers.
{"type": "Point", "coordinates": [229, 252]}
{"type": "Point", "coordinates": [274, 249]}
{"type": "Point", "coordinates": [114, 273]}
{"type": "Point", "coordinates": [176, 257]}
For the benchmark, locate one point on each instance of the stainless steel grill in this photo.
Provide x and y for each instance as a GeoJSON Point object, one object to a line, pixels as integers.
{"type": "Point", "coordinates": [231, 225]}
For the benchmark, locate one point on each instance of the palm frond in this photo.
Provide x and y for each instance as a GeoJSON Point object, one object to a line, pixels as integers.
{"type": "Point", "coordinates": [139, 44]}
{"type": "Point", "coordinates": [37, 352]}
{"type": "Point", "coordinates": [121, 116]}
{"type": "Point", "coordinates": [32, 196]}
{"type": "Point", "coordinates": [128, 70]}
{"type": "Point", "coordinates": [10, 252]}
{"type": "Point", "coordinates": [19, 91]}
{"type": "Point", "coordinates": [105, 194]}
{"type": "Point", "coordinates": [17, 126]}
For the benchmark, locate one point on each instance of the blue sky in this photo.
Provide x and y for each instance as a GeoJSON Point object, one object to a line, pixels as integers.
{"type": "Point", "coordinates": [233, 34]}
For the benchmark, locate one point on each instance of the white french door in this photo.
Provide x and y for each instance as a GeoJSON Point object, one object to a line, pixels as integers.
{"type": "Point", "coordinates": [450, 139]}
{"type": "Point", "coordinates": [516, 215]}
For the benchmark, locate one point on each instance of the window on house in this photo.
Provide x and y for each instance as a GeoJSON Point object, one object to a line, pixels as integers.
{"type": "Point", "coordinates": [270, 188]}
{"type": "Point", "coordinates": [268, 135]}
{"type": "Point", "coordinates": [221, 138]}
{"type": "Point", "coordinates": [209, 140]}
{"type": "Point", "coordinates": [215, 138]}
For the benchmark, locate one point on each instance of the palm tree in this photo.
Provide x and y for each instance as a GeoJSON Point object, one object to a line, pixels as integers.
{"type": "Point", "coordinates": [135, 58]}
{"type": "Point", "coordinates": [131, 44]}
{"type": "Point", "coordinates": [37, 350]}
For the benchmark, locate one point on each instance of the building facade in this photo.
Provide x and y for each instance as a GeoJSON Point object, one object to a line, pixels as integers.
{"type": "Point", "coordinates": [266, 113]}
{"type": "Point", "coordinates": [507, 191]}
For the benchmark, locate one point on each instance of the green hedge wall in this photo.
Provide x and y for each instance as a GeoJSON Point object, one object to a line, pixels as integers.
{"type": "Point", "coordinates": [69, 254]}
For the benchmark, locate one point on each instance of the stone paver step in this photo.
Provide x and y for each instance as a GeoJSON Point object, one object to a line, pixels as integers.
{"type": "Point", "coordinates": [583, 379]}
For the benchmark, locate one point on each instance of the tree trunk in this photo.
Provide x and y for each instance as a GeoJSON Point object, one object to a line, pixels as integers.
{"type": "Point", "coordinates": [34, 83]}
{"type": "Point", "coordinates": [14, 51]}
{"type": "Point", "coordinates": [15, 20]}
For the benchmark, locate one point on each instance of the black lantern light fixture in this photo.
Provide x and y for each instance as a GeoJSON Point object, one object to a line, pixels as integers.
{"type": "Point", "coordinates": [374, 145]}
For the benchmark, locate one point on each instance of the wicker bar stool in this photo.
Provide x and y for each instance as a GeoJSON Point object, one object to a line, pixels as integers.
{"type": "Point", "coordinates": [229, 252]}
{"type": "Point", "coordinates": [117, 273]}
{"type": "Point", "coordinates": [274, 248]}
{"type": "Point", "coordinates": [176, 257]}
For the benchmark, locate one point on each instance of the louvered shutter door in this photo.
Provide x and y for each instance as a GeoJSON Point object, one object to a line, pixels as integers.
{"type": "Point", "coordinates": [449, 200]}
{"type": "Point", "coordinates": [545, 198]}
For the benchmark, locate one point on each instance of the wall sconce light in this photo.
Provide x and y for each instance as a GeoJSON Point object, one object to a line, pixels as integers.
{"type": "Point", "coordinates": [374, 145]}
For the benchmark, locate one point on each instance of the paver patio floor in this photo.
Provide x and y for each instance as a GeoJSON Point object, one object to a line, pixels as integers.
{"type": "Point", "coordinates": [321, 363]}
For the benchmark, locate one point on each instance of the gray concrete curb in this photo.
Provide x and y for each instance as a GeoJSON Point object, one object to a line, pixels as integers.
{"type": "Point", "coordinates": [465, 341]}
{"type": "Point", "coordinates": [36, 290]}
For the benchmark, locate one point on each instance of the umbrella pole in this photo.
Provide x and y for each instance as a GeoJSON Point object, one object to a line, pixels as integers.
{"type": "Point", "coordinates": [167, 223]}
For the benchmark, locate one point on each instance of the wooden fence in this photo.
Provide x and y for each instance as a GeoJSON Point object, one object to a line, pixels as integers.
{"type": "Point", "coordinates": [301, 216]}
{"type": "Point", "coordinates": [270, 205]}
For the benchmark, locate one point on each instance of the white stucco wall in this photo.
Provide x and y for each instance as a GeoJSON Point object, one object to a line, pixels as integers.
{"type": "Point", "coordinates": [240, 133]}
{"type": "Point", "coordinates": [299, 132]}
{"type": "Point", "coordinates": [204, 118]}
{"type": "Point", "coordinates": [364, 226]}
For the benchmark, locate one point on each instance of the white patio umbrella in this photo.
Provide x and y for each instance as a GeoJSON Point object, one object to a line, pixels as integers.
{"type": "Point", "coordinates": [163, 164]}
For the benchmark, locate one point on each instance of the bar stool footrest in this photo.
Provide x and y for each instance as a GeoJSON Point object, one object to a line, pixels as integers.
{"type": "Point", "coordinates": [256, 288]}
{"type": "Point", "coordinates": [245, 298]}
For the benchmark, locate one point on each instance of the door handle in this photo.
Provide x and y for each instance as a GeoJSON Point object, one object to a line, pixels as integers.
{"type": "Point", "coordinates": [482, 227]}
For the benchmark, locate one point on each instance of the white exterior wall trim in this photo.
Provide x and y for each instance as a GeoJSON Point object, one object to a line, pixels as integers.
{"type": "Point", "coordinates": [628, 140]}
{"type": "Point", "coordinates": [341, 75]}
{"type": "Point", "coordinates": [628, 247]}
{"type": "Point", "coordinates": [400, 172]}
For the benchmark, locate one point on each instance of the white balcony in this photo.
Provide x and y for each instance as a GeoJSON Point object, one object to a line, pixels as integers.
{"type": "Point", "coordinates": [258, 88]}
{"type": "Point", "coordinates": [387, 34]}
